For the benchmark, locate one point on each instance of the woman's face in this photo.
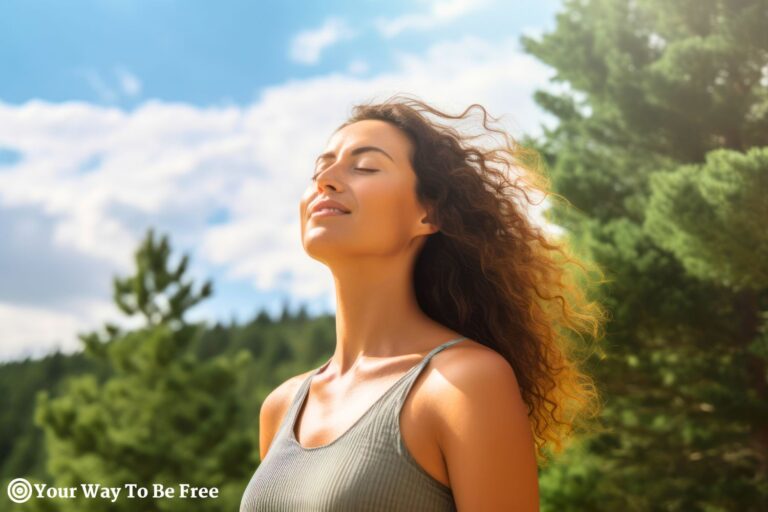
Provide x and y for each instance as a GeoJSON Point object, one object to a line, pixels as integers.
{"type": "Point", "coordinates": [376, 186]}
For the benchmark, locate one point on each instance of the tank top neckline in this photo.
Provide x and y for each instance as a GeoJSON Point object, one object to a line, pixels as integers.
{"type": "Point", "coordinates": [301, 399]}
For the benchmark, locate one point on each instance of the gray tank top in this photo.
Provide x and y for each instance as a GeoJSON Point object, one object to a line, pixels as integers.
{"type": "Point", "coordinates": [366, 469]}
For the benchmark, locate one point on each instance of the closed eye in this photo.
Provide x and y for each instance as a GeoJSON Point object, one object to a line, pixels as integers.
{"type": "Point", "coordinates": [314, 177]}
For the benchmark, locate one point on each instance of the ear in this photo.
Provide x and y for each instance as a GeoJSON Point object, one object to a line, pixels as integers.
{"type": "Point", "coordinates": [429, 219]}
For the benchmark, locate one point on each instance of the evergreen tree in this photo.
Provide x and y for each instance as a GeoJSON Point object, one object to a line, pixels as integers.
{"type": "Point", "coordinates": [163, 416]}
{"type": "Point", "coordinates": [661, 149]}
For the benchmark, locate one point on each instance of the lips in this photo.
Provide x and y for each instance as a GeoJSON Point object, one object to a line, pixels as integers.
{"type": "Point", "coordinates": [327, 203]}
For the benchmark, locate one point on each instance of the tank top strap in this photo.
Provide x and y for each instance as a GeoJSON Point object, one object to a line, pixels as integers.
{"type": "Point", "coordinates": [298, 397]}
{"type": "Point", "coordinates": [407, 383]}
{"type": "Point", "coordinates": [390, 400]}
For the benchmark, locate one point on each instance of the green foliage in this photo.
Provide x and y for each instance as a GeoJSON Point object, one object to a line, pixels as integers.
{"type": "Point", "coordinates": [169, 402]}
{"type": "Point", "coordinates": [163, 415]}
{"type": "Point", "coordinates": [662, 150]}
{"type": "Point", "coordinates": [149, 291]}
{"type": "Point", "coordinates": [713, 217]}
{"type": "Point", "coordinates": [20, 442]}
{"type": "Point", "coordinates": [279, 349]}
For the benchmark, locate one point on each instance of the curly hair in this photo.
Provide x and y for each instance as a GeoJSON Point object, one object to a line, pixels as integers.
{"type": "Point", "coordinates": [490, 273]}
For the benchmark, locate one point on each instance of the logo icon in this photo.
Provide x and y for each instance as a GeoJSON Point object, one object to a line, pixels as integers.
{"type": "Point", "coordinates": [19, 490]}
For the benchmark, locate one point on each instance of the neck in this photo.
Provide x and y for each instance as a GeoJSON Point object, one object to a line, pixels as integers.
{"type": "Point", "coordinates": [377, 314]}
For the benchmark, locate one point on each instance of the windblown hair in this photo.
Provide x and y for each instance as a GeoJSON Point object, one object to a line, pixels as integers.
{"type": "Point", "coordinates": [493, 275]}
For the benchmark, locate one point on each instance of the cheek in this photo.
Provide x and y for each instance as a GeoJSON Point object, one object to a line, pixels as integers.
{"type": "Point", "coordinates": [381, 223]}
{"type": "Point", "coordinates": [385, 212]}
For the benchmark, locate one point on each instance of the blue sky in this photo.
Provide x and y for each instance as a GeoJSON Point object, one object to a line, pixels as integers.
{"type": "Point", "coordinates": [197, 118]}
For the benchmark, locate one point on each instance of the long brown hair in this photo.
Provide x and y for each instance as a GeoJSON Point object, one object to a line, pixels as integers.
{"type": "Point", "coordinates": [490, 273]}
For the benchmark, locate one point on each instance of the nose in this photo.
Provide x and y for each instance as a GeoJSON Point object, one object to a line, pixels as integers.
{"type": "Point", "coordinates": [326, 178]}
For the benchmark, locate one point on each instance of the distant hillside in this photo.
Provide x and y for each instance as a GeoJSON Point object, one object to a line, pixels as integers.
{"type": "Point", "coordinates": [280, 347]}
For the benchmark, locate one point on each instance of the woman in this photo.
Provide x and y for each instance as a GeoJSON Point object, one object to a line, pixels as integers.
{"type": "Point", "coordinates": [449, 374]}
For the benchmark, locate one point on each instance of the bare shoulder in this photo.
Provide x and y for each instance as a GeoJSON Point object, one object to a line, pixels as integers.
{"type": "Point", "coordinates": [469, 363]}
{"type": "Point", "coordinates": [460, 374]}
{"type": "Point", "coordinates": [462, 365]}
{"type": "Point", "coordinates": [482, 427]}
{"type": "Point", "coordinates": [273, 410]}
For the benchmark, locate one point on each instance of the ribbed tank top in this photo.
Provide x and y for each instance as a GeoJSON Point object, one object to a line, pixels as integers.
{"type": "Point", "coordinates": [366, 469]}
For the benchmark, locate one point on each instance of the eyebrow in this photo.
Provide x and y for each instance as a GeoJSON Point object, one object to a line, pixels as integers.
{"type": "Point", "coordinates": [356, 151]}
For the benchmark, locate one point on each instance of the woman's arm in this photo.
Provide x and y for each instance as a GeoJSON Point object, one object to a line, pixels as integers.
{"type": "Point", "coordinates": [485, 436]}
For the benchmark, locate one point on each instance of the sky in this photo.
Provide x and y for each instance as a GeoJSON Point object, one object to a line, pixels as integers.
{"type": "Point", "coordinates": [202, 120]}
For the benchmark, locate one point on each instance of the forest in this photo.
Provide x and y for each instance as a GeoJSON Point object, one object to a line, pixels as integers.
{"type": "Point", "coordinates": [660, 146]}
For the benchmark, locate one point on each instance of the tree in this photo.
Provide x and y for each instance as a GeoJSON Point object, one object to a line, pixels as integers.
{"type": "Point", "coordinates": [661, 150]}
{"type": "Point", "coordinates": [163, 416]}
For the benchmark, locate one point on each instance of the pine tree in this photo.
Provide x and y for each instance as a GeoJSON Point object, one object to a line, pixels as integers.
{"type": "Point", "coordinates": [162, 416]}
{"type": "Point", "coordinates": [661, 148]}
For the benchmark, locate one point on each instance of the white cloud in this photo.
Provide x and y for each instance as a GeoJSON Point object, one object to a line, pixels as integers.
{"type": "Point", "coordinates": [357, 67]}
{"type": "Point", "coordinates": [121, 84]}
{"type": "Point", "coordinates": [22, 330]}
{"type": "Point", "coordinates": [101, 176]}
{"type": "Point", "coordinates": [306, 46]}
{"type": "Point", "coordinates": [99, 86]}
{"type": "Point", "coordinates": [130, 85]}
{"type": "Point", "coordinates": [440, 13]}
{"type": "Point", "coordinates": [29, 331]}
